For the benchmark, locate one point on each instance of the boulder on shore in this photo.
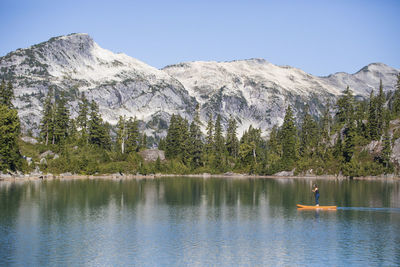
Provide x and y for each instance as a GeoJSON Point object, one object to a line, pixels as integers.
{"type": "Point", "coordinates": [30, 140]}
{"type": "Point", "coordinates": [284, 173]}
{"type": "Point", "coordinates": [47, 153]}
{"type": "Point", "coordinates": [152, 154]}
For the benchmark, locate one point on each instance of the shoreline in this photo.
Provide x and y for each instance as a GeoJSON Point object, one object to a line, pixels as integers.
{"type": "Point", "coordinates": [45, 177]}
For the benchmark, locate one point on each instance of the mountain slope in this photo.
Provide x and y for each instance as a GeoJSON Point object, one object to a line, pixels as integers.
{"type": "Point", "coordinates": [254, 91]}
{"type": "Point", "coordinates": [257, 92]}
{"type": "Point", "coordinates": [75, 63]}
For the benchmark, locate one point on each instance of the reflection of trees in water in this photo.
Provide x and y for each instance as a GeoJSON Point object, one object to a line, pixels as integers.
{"type": "Point", "coordinates": [10, 198]}
{"type": "Point", "coordinates": [61, 205]}
{"type": "Point", "coordinates": [11, 195]}
{"type": "Point", "coordinates": [58, 197]}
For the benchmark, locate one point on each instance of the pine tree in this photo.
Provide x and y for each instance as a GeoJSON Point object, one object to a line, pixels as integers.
{"type": "Point", "coordinates": [133, 138]}
{"type": "Point", "coordinates": [250, 149]}
{"type": "Point", "coordinates": [386, 152]}
{"type": "Point", "coordinates": [326, 122]}
{"type": "Point", "coordinates": [98, 132]}
{"type": "Point", "coordinates": [47, 122]}
{"type": "Point", "coordinates": [396, 101]}
{"type": "Point", "coordinates": [345, 107]}
{"type": "Point", "coordinates": [61, 120]}
{"type": "Point", "coordinates": [361, 109]}
{"type": "Point", "coordinates": [157, 166]}
{"type": "Point", "coordinates": [143, 142]}
{"type": "Point", "coordinates": [121, 134]}
{"type": "Point", "coordinates": [289, 140]}
{"type": "Point", "coordinates": [184, 141]}
{"type": "Point", "coordinates": [232, 142]}
{"type": "Point", "coordinates": [274, 148]}
{"type": "Point", "coordinates": [380, 102]}
{"type": "Point", "coordinates": [172, 139]}
{"type": "Point", "coordinates": [349, 142]}
{"type": "Point", "coordinates": [308, 133]}
{"type": "Point", "coordinates": [338, 148]}
{"type": "Point", "coordinates": [161, 144]}
{"type": "Point", "coordinates": [209, 146]}
{"type": "Point", "coordinates": [196, 144]}
{"type": "Point", "coordinates": [3, 93]}
{"type": "Point", "coordinates": [219, 144]}
{"type": "Point", "coordinates": [82, 119]}
{"type": "Point", "coordinates": [372, 118]}
{"type": "Point", "coordinates": [6, 94]}
{"type": "Point", "coordinates": [195, 137]}
{"type": "Point", "coordinates": [10, 157]}
{"type": "Point", "coordinates": [72, 131]}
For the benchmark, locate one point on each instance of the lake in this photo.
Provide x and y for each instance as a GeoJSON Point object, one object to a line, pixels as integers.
{"type": "Point", "coordinates": [179, 221]}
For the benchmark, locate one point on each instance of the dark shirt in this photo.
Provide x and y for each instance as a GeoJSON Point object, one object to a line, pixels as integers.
{"type": "Point", "coordinates": [316, 192]}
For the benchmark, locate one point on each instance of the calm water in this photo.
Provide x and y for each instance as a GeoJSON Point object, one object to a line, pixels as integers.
{"type": "Point", "coordinates": [198, 222]}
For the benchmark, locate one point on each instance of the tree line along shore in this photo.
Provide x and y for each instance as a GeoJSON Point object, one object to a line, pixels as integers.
{"type": "Point", "coordinates": [353, 138]}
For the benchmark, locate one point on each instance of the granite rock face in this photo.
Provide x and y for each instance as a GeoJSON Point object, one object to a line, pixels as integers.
{"type": "Point", "coordinates": [152, 154]}
{"type": "Point", "coordinates": [254, 91]}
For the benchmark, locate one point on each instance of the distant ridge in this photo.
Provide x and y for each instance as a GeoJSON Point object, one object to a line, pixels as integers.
{"type": "Point", "coordinates": [254, 91]}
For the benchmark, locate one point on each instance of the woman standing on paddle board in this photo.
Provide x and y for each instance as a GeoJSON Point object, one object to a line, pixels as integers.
{"type": "Point", "coordinates": [316, 193]}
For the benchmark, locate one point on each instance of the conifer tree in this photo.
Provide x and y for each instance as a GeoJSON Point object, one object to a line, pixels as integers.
{"type": "Point", "coordinates": [6, 94]}
{"type": "Point", "coordinates": [380, 102]}
{"type": "Point", "coordinates": [345, 107]}
{"type": "Point", "coordinates": [273, 145]}
{"type": "Point", "coordinates": [98, 133]}
{"type": "Point", "coordinates": [72, 131]}
{"type": "Point", "coordinates": [386, 152]}
{"type": "Point", "coordinates": [219, 144]}
{"type": "Point", "coordinates": [171, 140]}
{"type": "Point", "coordinates": [195, 137]}
{"type": "Point", "coordinates": [10, 157]}
{"type": "Point", "coordinates": [196, 144]}
{"type": "Point", "coordinates": [349, 142]}
{"type": "Point", "coordinates": [361, 109]}
{"type": "Point", "coordinates": [289, 140]}
{"type": "Point", "coordinates": [121, 134]}
{"type": "Point", "coordinates": [161, 144]}
{"type": "Point", "coordinates": [82, 119]}
{"type": "Point", "coordinates": [250, 149]}
{"type": "Point", "coordinates": [3, 94]}
{"type": "Point", "coordinates": [209, 146]}
{"type": "Point", "coordinates": [396, 101]}
{"type": "Point", "coordinates": [338, 148]}
{"type": "Point", "coordinates": [184, 140]}
{"type": "Point", "coordinates": [47, 122]}
{"type": "Point", "coordinates": [308, 133]}
{"type": "Point", "coordinates": [143, 142]}
{"type": "Point", "coordinates": [232, 142]}
{"type": "Point", "coordinates": [372, 118]}
{"type": "Point", "coordinates": [133, 138]}
{"type": "Point", "coordinates": [61, 120]}
{"type": "Point", "coordinates": [326, 122]}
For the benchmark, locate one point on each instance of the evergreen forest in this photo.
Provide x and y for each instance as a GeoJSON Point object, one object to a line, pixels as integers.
{"type": "Point", "coordinates": [352, 137]}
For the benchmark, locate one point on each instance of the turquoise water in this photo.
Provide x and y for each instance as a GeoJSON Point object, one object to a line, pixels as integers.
{"type": "Point", "coordinates": [198, 222]}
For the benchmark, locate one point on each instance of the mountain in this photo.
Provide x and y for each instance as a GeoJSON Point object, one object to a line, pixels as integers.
{"type": "Point", "coordinates": [257, 92]}
{"type": "Point", "coordinates": [75, 63]}
{"type": "Point", "coordinates": [254, 91]}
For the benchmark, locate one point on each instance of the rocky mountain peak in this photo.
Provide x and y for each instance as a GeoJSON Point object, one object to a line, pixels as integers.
{"type": "Point", "coordinates": [254, 91]}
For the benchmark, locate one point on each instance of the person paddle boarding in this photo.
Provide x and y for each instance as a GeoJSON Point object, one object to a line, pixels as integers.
{"type": "Point", "coordinates": [316, 194]}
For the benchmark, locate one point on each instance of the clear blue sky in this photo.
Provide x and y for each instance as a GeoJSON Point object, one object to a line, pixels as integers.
{"type": "Point", "coordinates": [320, 37]}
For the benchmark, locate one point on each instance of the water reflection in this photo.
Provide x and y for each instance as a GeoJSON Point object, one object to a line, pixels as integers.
{"type": "Point", "coordinates": [190, 221]}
